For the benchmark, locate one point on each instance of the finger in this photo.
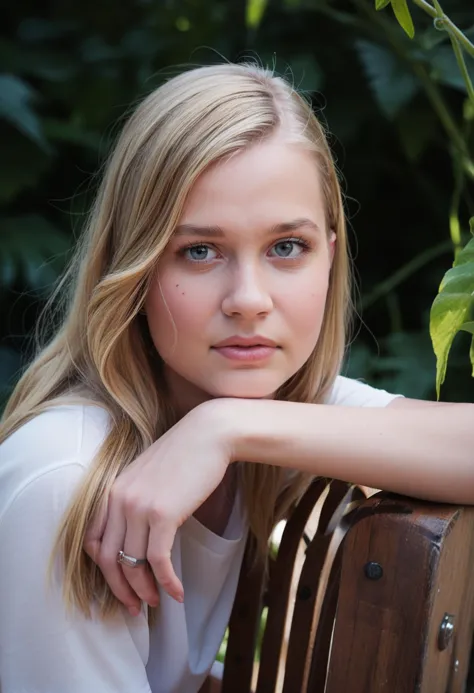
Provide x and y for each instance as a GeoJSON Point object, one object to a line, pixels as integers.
{"type": "Point", "coordinates": [160, 542]}
{"type": "Point", "coordinates": [95, 531]}
{"type": "Point", "coordinates": [140, 578]}
{"type": "Point", "coordinates": [112, 542]}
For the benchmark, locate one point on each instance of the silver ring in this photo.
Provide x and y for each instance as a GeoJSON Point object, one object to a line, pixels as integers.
{"type": "Point", "coordinates": [129, 560]}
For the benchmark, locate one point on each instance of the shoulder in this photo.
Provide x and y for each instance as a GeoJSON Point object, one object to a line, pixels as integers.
{"type": "Point", "coordinates": [59, 443]}
{"type": "Point", "coordinates": [347, 392]}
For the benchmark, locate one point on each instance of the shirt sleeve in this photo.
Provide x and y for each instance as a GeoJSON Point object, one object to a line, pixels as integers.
{"type": "Point", "coordinates": [347, 392]}
{"type": "Point", "coordinates": [43, 647]}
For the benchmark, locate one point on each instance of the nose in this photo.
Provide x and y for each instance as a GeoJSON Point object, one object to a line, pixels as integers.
{"type": "Point", "coordinates": [248, 295]}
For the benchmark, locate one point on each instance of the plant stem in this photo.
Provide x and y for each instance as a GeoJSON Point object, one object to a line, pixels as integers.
{"type": "Point", "coordinates": [444, 115]}
{"type": "Point", "coordinates": [454, 225]}
{"type": "Point", "coordinates": [431, 89]}
{"type": "Point", "coordinates": [456, 42]}
{"type": "Point", "coordinates": [402, 274]}
{"type": "Point", "coordinates": [462, 66]}
{"type": "Point", "coordinates": [450, 26]}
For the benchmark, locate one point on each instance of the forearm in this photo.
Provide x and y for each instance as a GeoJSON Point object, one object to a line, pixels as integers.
{"type": "Point", "coordinates": [426, 452]}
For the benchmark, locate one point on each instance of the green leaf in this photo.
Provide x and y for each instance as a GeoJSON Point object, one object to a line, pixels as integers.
{"type": "Point", "coordinates": [452, 308]}
{"type": "Point", "coordinates": [445, 68]}
{"type": "Point", "coordinates": [15, 99]}
{"type": "Point", "coordinates": [36, 30]}
{"type": "Point", "coordinates": [468, 110]}
{"type": "Point", "coordinates": [22, 163]}
{"type": "Point", "coordinates": [94, 49]}
{"type": "Point", "coordinates": [32, 249]}
{"type": "Point", "coordinates": [37, 61]}
{"type": "Point", "coordinates": [380, 4]}
{"type": "Point", "coordinates": [402, 13]}
{"type": "Point", "coordinates": [61, 131]}
{"type": "Point", "coordinates": [254, 12]}
{"type": "Point", "coordinates": [468, 327]}
{"type": "Point", "coordinates": [392, 365]}
{"type": "Point", "coordinates": [392, 85]}
{"type": "Point", "coordinates": [10, 367]}
{"type": "Point", "coordinates": [407, 353]}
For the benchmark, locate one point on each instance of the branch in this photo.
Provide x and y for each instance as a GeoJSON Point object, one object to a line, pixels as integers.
{"type": "Point", "coordinates": [446, 24]}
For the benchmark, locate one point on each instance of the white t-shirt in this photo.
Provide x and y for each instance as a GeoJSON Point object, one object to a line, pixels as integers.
{"type": "Point", "coordinates": [45, 650]}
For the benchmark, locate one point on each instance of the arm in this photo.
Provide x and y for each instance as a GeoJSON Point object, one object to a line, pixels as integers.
{"type": "Point", "coordinates": [409, 447]}
{"type": "Point", "coordinates": [413, 448]}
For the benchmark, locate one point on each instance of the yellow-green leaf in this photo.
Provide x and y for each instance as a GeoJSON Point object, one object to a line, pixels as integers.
{"type": "Point", "coordinates": [468, 327]}
{"type": "Point", "coordinates": [451, 309]}
{"type": "Point", "coordinates": [380, 4]}
{"type": "Point", "coordinates": [254, 12]}
{"type": "Point", "coordinates": [471, 356]}
{"type": "Point", "coordinates": [402, 13]}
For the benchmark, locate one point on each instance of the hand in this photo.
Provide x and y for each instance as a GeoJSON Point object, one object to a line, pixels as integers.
{"type": "Point", "coordinates": [151, 498]}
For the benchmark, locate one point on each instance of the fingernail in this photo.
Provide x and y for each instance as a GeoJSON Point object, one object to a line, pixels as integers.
{"type": "Point", "coordinates": [133, 610]}
{"type": "Point", "coordinates": [180, 598]}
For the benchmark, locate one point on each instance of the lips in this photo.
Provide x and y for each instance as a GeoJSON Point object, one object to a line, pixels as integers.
{"type": "Point", "coordinates": [247, 350]}
{"type": "Point", "coordinates": [248, 342]}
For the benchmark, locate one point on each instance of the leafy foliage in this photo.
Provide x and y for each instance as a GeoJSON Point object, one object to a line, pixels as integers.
{"type": "Point", "coordinates": [69, 72]}
{"type": "Point", "coordinates": [392, 83]}
{"type": "Point", "coordinates": [453, 308]}
{"type": "Point", "coordinates": [454, 303]}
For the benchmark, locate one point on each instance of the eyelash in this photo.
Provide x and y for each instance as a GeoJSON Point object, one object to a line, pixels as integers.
{"type": "Point", "coordinates": [302, 242]}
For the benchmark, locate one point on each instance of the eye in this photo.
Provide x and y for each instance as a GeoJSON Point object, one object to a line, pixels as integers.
{"type": "Point", "coordinates": [286, 247]}
{"type": "Point", "coordinates": [198, 253]}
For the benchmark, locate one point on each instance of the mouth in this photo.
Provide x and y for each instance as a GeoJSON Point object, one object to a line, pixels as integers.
{"type": "Point", "coordinates": [249, 349]}
{"type": "Point", "coordinates": [246, 342]}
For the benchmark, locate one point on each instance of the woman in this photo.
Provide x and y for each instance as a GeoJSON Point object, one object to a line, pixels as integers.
{"type": "Point", "coordinates": [190, 394]}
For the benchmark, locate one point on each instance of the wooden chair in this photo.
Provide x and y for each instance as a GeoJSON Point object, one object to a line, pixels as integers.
{"type": "Point", "coordinates": [365, 595]}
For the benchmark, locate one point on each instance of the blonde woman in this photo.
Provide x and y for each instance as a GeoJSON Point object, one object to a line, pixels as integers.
{"type": "Point", "coordinates": [190, 392]}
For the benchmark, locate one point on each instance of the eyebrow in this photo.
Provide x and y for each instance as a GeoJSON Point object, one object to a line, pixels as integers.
{"type": "Point", "coordinates": [218, 232]}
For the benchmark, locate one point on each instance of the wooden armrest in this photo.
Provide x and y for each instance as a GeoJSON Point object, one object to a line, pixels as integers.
{"type": "Point", "coordinates": [380, 597]}
{"type": "Point", "coordinates": [405, 607]}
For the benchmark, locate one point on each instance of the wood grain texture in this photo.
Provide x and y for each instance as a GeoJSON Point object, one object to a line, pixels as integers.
{"type": "Point", "coordinates": [332, 629]}
{"type": "Point", "coordinates": [386, 630]}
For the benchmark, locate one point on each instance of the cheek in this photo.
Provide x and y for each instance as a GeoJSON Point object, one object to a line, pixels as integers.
{"type": "Point", "coordinates": [177, 313]}
{"type": "Point", "coordinates": [305, 307]}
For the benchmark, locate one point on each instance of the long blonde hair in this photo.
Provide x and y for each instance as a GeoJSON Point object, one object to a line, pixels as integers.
{"type": "Point", "coordinates": [101, 350]}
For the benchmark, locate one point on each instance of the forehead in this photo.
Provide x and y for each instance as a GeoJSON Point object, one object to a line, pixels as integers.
{"type": "Point", "coordinates": [267, 184]}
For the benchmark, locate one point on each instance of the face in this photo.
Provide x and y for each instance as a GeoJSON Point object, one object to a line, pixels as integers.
{"type": "Point", "coordinates": [250, 259]}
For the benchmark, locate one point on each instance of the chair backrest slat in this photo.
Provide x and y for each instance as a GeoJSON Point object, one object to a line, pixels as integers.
{"type": "Point", "coordinates": [278, 593]}
{"type": "Point", "coordinates": [304, 622]}
{"type": "Point", "coordinates": [361, 609]}
{"type": "Point", "coordinates": [243, 629]}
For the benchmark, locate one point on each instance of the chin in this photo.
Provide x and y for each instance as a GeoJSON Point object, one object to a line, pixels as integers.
{"type": "Point", "coordinates": [248, 387]}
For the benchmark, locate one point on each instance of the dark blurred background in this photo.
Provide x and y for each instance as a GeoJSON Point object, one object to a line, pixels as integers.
{"type": "Point", "coordinates": [69, 70]}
